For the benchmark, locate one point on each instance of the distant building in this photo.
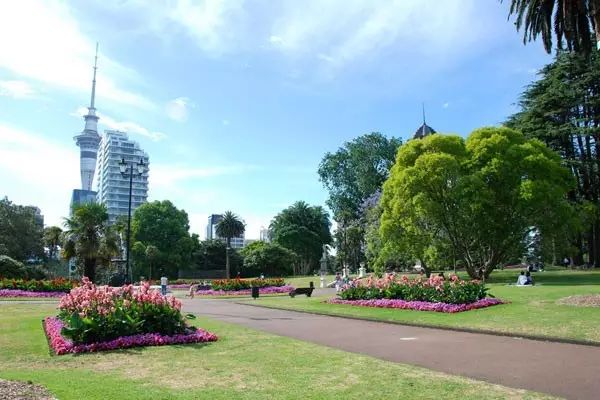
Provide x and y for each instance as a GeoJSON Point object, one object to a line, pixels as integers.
{"type": "Point", "coordinates": [211, 232]}
{"type": "Point", "coordinates": [37, 215]}
{"type": "Point", "coordinates": [113, 187]}
{"type": "Point", "coordinates": [265, 236]}
{"type": "Point", "coordinates": [80, 196]}
{"type": "Point", "coordinates": [249, 241]}
{"type": "Point", "coordinates": [423, 130]}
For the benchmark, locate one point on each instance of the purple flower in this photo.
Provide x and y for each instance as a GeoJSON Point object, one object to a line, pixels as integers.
{"type": "Point", "coordinates": [27, 293]}
{"type": "Point", "coordinates": [61, 345]}
{"type": "Point", "coordinates": [419, 305]}
{"type": "Point", "coordinates": [246, 292]}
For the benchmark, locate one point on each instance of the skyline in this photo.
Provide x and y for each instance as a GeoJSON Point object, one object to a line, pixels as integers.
{"type": "Point", "coordinates": [237, 103]}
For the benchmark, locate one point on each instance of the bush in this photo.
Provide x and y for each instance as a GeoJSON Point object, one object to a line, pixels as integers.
{"type": "Point", "coordinates": [11, 268]}
{"type": "Point", "coordinates": [435, 289]}
{"type": "Point", "coordinates": [99, 313]}
{"type": "Point", "coordinates": [36, 272]}
{"type": "Point", "coordinates": [54, 285]}
{"type": "Point", "coordinates": [240, 284]}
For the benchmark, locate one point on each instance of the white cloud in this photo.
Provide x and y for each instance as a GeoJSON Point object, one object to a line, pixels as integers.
{"type": "Point", "coordinates": [42, 41]}
{"type": "Point", "coordinates": [178, 109]}
{"type": "Point", "coordinates": [225, 122]}
{"type": "Point", "coordinates": [446, 105]}
{"type": "Point", "coordinates": [275, 40]}
{"type": "Point", "coordinates": [17, 89]}
{"type": "Point", "coordinates": [31, 165]}
{"type": "Point", "coordinates": [124, 126]}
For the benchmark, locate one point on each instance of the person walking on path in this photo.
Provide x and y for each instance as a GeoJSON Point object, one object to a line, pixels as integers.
{"type": "Point", "coordinates": [163, 285]}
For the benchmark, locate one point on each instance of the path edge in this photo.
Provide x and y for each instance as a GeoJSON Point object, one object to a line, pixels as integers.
{"type": "Point", "coordinates": [538, 338]}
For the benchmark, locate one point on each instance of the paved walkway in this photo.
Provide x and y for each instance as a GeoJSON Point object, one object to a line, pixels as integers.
{"type": "Point", "coordinates": [566, 370]}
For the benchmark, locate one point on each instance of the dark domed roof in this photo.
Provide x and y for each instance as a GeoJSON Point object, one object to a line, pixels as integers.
{"type": "Point", "coordinates": [423, 131]}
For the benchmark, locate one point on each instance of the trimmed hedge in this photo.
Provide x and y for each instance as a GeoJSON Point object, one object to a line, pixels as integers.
{"type": "Point", "coordinates": [240, 284]}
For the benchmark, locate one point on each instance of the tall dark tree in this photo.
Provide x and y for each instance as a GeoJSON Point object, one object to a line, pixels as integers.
{"type": "Point", "coordinates": [573, 22]}
{"type": "Point", "coordinates": [89, 238]}
{"type": "Point", "coordinates": [164, 227]}
{"type": "Point", "coordinates": [229, 227]}
{"type": "Point", "coordinates": [52, 238]}
{"type": "Point", "coordinates": [302, 229]}
{"type": "Point", "coordinates": [20, 232]}
{"type": "Point", "coordinates": [562, 109]}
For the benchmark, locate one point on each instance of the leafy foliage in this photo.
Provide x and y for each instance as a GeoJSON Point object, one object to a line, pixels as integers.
{"type": "Point", "coordinates": [89, 238]}
{"type": "Point", "coordinates": [239, 284]}
{"type": "Point", "coordinates": [163, 228]}
{"type": "Point", "coordinates": [52, 239]}
{"type": "Point", "coordinates": [229, 227]}
{"type": "Point", "coordinates": [20, 233]}
{"type": "Point", "coordinates": [10, 268]}
{"type": "Point", "coordinates": [480, 198]}
{"type": "Point", "coordinates": [435, 289]}
{"type": "Point", "coordinates": [267, 258]}
{"type": "Point", "coordinates": [33, 285]}
{"type": "Point", "coordinates": [302, 229]}
{"type": "Point", "coordinates": [572, 21]}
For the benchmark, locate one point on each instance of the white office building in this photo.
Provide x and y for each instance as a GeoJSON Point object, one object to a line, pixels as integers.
{"type": "Point", "coordinates": [113, 187]}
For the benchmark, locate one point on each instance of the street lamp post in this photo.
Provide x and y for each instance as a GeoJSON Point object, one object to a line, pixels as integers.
{"type": "Point", "coordinates": [127, 169]}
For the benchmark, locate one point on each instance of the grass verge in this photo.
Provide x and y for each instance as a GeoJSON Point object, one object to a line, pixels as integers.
{"type": "Point", "coordinates": [243, 364]}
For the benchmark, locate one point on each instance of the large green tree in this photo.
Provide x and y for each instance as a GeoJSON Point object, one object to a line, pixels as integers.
{"type": "Point", "coordinates": [164, 227]}
{"type": "Point", "coordinates": [229, 227]}
{"type": "Point", "coordinates": [562, 108]}
{"type": "Point", "coordinates": [270, 259]}
{"type": "Point", "coordinates": [573, 22]}
{"type": "Point", "coordinates": [302, 229]}
{"type": "Point", "coordinates": [478, 199]}
{"type": "Point", "coordinates": [89, 239]}
{"type": "Point", "coordinates": [20, 233]}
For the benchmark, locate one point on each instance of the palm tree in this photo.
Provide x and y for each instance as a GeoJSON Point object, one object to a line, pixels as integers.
{"type": "Point", "coordinates": [574, 21]}
{"type": "Point", "coordinates": [52, 235]}
{"type": "Point", "coordinates": [89, 238]}
{"type": "Point", "coordinates": [229, 227]}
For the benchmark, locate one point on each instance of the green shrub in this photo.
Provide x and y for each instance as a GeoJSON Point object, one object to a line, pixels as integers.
{"type": "Point", "coordinates": [11, 268]}
{"type": "Point", "coordinates": [241, 284]}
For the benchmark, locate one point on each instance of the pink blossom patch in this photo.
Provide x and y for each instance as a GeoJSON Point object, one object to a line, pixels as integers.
{"type": "Point", "coordinates": [61, 345]}
{"type": "Point", "coordinates": [246, 292]}
{"type": "Point", "coordinates": [28, 293]}
{"type": "Point", "coordinates": [419, 305]}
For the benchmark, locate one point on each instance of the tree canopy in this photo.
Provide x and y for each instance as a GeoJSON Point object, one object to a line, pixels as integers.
{"type": "Point", "coordinates": [573, 22]}
{"type": "Point", "coordinates": [164, 227]}
{"type": "Point", "coordinates": [302, 229]}
{"type": "Point", "coordinates": [20, 233]}
{"type": "Point", "coordinates": [562, 109]}
{"type": "Point", "coordinates": [89, 239]}
{"type": "Point", "coordinates": [52, 238]}
{"type": "Point", "coordinates": [478, 198]}
{"type": "Point", "coordinates": [229, 227]}
{"type": "Point", "coordinates": [270, 259]}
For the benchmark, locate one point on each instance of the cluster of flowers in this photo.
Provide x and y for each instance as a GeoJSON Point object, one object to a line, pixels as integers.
{"type": "Point", "coordinates": [27, 293]}
{"type": "Point", "coordinates": [54, 285]}
{"type": "Point", "coordinates": [240, 284]}
{"type": "Point", "coordinates": [420, 305]}
{"type": "Point", "coordinates": [61, 345]}
{"type": "Point", "coordinates": [246, 292]}
{"type": "Point", "coordinates": [435, 289]}
{"type": "Point", "coordinates": [101, 313]}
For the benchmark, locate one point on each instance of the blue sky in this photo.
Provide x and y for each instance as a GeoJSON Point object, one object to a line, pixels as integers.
{"type": "Point", "coordinates": [237, 101]}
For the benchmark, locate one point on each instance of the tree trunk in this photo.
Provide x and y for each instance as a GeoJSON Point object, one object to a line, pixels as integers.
{"type": "Point", "coordinates": [595, 14]}
{"type": "Point", "coordinates": [227, 272]}
{"type": "Point", "coordinates": [89, 268]}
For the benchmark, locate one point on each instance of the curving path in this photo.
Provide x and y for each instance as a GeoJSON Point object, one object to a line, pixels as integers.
{"type": "Point", "coordinates": [566, 370]}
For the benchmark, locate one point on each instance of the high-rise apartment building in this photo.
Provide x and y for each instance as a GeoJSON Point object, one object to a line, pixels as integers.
{"type": "Point", "coordinates": [113, 187]}
{"type": "Point", "coordinates": [211, 232]}
{"type": "Point", "coordinates": [265, 235]}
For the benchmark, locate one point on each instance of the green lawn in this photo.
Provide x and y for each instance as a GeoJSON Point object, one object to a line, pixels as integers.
{"type": "Point", "coordinates": [243, 364]}
{"type": "Point", "coordinates": [532, 310]}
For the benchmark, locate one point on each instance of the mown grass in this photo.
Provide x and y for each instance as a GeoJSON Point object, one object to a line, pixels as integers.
{"type": "Point", "coordinates": [243, 364]}
{"type": "Point", "coordinates": [531, 310]}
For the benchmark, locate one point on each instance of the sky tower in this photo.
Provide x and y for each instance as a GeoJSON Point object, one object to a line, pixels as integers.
{"type": "Point", "coordinates": [89, 140]}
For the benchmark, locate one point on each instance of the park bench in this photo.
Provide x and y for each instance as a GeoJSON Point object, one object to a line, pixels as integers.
{"type": "Point", "coordinates": [306, 290]}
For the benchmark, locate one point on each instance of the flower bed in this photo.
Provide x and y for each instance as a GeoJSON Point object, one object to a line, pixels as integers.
{"type": "Point", "coordinates": [241, 284]}
{"type": "Point", "coordinates": [61, 345]}
{"type": "Point", "coordinates": [94, 318]}
{"type": "Point", "coordinates": [31, 285]}
{"type": "Point", "coordinates": [27, 293]}
{"type": "Point", "coordinates": [435, 289]}
{"type": "Point", "coordinates": [246, 292]}
{"type": "Point", "coordinates": [420, 305]}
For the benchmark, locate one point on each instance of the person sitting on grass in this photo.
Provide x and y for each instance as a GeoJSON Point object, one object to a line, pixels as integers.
{"type": "Point", "coordinates": [522, 280]}
{"type": "Point", "coordinates": [529, 278]}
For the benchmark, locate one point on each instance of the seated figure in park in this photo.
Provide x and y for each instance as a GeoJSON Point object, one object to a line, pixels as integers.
{"type": "Point", "coordinates": [522, 279]}
{"type": "Point", "coordinates": [529, 278]}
